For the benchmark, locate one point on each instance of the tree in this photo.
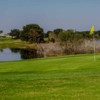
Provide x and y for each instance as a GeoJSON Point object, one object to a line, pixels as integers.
{"type": "Point", "coordinates": [52, 37]}
{"type": "Point", "coordinates": [34, 37]}
{"type": "Point", "coordinates": [97, 34]}
{"type": "Point", "coordinates": [24, 36]}
{"type": "Point", "coordinates": [57, 31]}
{"type": "Point", "coordinates": [1, 31]}
{"type": "Point", "coordinates": [85, 34]}
{"type": "Point", "coordinates": [69, 35]}
{"type": "Point", "coordinates": [47, 34]}
{"type": "Point", "coordinates": [62, 36]}
{"type": "Point", "coordinates": [15, 33]}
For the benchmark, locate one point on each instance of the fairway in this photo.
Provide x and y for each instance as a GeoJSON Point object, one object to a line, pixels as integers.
{"type": "Point", "coordinates": [56, 78]}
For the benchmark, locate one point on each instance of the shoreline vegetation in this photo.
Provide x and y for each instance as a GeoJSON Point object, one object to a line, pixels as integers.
{"type": "Point", "coordinates": [52, 49]}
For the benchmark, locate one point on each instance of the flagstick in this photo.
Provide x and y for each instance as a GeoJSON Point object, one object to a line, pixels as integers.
{"type": "Point", "coordinates": [94, 47]}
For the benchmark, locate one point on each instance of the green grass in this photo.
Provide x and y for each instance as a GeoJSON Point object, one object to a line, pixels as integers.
{"type": "Point", "coordinates": [56, 78]}
{"type": "Point", "coordinates": [12, 43]}
{"type": "Point", "coordinates": [7, 39]}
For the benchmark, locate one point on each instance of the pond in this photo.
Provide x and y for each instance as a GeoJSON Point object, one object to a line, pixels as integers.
{"type": "Point", "coordinates": [97, 41]}
{"type": "Point", "coordinates": [14, 54]}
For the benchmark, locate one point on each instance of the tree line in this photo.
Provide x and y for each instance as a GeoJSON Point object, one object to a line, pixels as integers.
{"type": "Point", "coordinates": [1, 31]}
{"type": "Point", "coordinates": [33, 33]}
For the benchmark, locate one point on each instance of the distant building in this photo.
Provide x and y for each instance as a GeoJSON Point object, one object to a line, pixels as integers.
{"type": "Point", "coordinates": [5, 36]}
{"type": "Point", "coordinates": [2, 36]}
{"type": "Point", "coordinates": [8, 36]}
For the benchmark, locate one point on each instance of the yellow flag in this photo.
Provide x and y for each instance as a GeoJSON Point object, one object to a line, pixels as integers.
{"type": "Point", "coordinates": [92, 30]}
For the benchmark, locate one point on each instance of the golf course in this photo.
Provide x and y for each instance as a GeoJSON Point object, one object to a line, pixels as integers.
{"type": "Point", "coordinates": [49, 50]}
{"type": "Point", "coordinates": [75, 77]}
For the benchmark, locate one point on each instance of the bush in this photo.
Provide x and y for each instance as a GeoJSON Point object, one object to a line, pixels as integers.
{"type": "Point", "coordinates": [69, 35]}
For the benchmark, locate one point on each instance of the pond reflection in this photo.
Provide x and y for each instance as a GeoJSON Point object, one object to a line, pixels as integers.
{"type": "Point", "coordinates": [12, 54]}
{"type": "Point", "coordinates": [1, 50]}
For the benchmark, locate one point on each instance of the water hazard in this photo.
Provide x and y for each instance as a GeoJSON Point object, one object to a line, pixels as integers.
{"type": "Point", "coordinates": [13, 54]}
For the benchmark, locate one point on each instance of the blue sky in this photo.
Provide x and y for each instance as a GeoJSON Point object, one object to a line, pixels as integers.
{"type": "Point", "coordinates": [50, 14]}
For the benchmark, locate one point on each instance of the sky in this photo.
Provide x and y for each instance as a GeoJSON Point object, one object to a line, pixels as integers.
{"type": "Point", "coordinates": [50, 14]}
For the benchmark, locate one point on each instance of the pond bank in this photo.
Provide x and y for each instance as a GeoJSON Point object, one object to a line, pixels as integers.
{"type": "Point", "coordinates": [12, 43]}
